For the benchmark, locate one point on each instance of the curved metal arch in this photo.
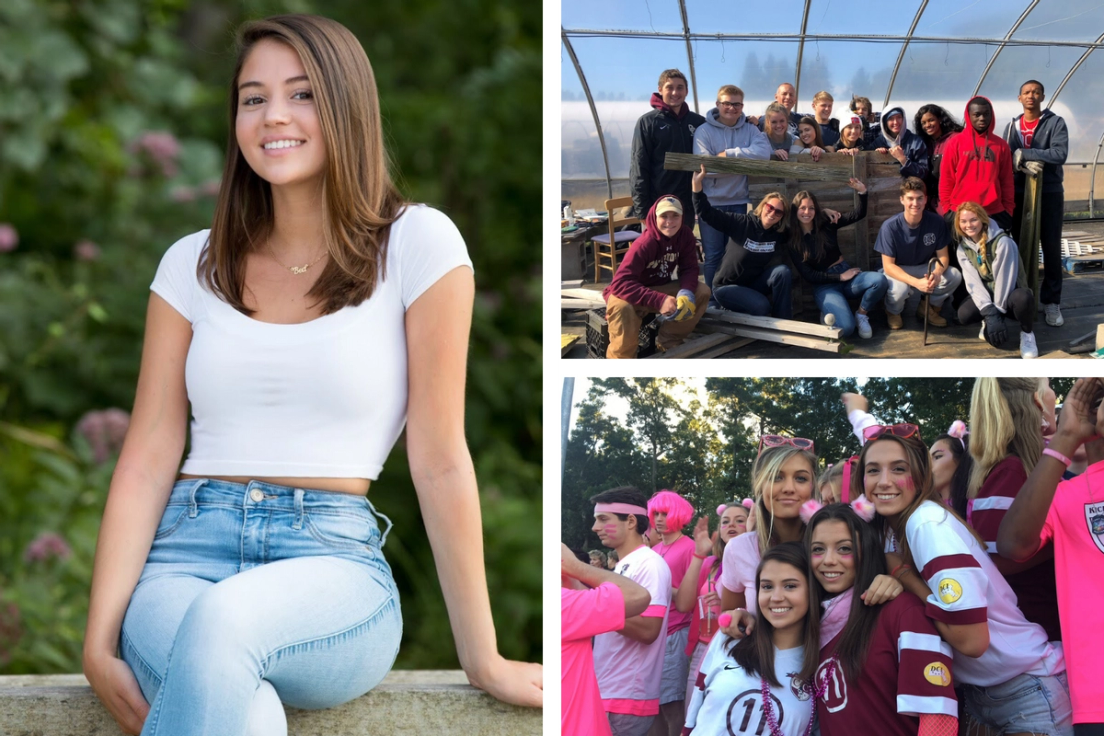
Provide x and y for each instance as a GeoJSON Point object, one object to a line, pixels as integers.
{"type": "Point", "coordinates": [801, 50]}
{"type": "Point", "coordinates": [904, 48]}
{"type": "Point", "coordinates": [1007, 38]}
{"type": "Point", "coordinates": [689, 53]}
{"type": "Point", "coordinates": [593, 110]}
{"type": "Point", "coordinates": [1073, 70]}
{"type": "Point", "coordinates": [1092, 178]}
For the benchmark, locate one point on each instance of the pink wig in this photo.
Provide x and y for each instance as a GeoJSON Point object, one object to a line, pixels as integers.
{"type": "Point", "coordinates": [678, 509]}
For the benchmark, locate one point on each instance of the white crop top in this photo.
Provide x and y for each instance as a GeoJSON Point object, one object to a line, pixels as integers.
{"type": "Point", "coordinates": [324, 398]}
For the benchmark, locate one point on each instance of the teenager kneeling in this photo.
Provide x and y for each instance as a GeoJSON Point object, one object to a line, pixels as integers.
{"type": "Point", "coordinates": [995, 279]}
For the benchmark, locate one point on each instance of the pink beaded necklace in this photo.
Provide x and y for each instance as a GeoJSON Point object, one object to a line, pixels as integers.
{"type": "Point", "coordinates": [815, 691]}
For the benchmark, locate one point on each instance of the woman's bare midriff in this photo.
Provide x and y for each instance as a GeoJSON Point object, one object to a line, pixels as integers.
{"type": "Point", "coordinates": [352, 486]}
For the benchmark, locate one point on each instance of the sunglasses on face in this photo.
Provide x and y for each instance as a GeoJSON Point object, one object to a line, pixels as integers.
{"type": "Point", "coordinates": [777, 440]}
{"type": "Point", "coordinates": [770, 209]}
{"type": "Point", "coordinates": [903, 431]}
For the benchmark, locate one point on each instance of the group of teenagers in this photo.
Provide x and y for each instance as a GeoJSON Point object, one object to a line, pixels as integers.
{"type": "Point", "coordinates": [899, 590]}
{"type": "Point", "coordinates": [961, 196]}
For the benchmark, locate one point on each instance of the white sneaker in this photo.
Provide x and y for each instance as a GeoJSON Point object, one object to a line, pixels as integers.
{"type": "Point", "coordinates": [1028, 348]}
{"type": "Point", "coordinates": [1054, 315]}
{"type": "Point", "coordinates": [863, 323]}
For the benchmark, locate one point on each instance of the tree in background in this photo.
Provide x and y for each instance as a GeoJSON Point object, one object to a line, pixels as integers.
{"type": "Point", "coordinates": [111, 139]}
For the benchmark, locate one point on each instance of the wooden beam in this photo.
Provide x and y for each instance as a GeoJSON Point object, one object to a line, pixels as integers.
{"type": "Point", "coordinates": [774, 323]}
{"type": "Point", "coordinates": [577, 304]}
{"type": "Point", "coordinates": [735, 343]}
{"type": "Point", "coordinates": [772, 336]}
{"type": "Point", "coordinates": [691, 347]}
{"type": "Point", "coordinates": [831, 167]}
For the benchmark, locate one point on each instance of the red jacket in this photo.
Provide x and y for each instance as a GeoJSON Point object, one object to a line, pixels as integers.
{"type": "Point", "coordinates": [977, 168]}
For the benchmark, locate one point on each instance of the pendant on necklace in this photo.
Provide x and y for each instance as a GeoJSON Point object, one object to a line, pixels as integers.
{"type": "Point", "coordinates": [299, 269]}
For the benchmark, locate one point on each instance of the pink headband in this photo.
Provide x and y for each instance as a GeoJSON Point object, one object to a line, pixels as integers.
{"type": "Point", "coordinates": [619, 508]}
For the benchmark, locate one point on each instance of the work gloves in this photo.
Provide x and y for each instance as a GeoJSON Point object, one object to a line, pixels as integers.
{"type": "Point", "coordinates": [996, 333]}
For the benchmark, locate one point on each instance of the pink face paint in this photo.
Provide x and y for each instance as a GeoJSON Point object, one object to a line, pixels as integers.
{"type": "Point", "coordinates": [609, 530]}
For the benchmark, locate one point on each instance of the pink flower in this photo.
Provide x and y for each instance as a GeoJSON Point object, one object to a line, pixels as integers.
{"type": "Point", "coordinates": [86, 250]}
{"type": "Point", "coordinates": [163, 148]}
{"type": "Point", "coordinates": [9, 238]}
{"type": "Point", "coordinates": [104, 431]}
{"type": "Point", "coordinates": [46, 546]}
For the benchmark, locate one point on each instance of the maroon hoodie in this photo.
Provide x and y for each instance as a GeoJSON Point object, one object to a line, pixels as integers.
{"type": "Point", "coordinates": [977, 168]}
{"type": "Point", "coordinates": [651, 261]}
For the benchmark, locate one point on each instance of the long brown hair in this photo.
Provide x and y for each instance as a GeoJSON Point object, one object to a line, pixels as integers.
{"type": "Point", "coordinates": [755, 652]}
{"type": "Point", "coordinates": [359, 199]}
{"type": "Point", "coordinates": [797, 235]}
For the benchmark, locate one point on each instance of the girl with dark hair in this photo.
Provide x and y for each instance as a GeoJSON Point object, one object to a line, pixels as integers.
{"type": "Point", "coordinates": [1008, 415]}
{"type": "Point", "coordinates": [881, 664]}
{"type": "Point", "coordinates": [320, 315]}
{"type": "Point", "coordinates": [764, 681]}
{"type": "Point", "coordinates": [951, 465]}
{"type": "Point", "coordinates": [815, 253]}
{"type": "Point", "coordinates": [809, 139]}
{"type": "Point", "coordinates": [935, 126]}
{"type": "Point", "coordinates": [1010, 677]}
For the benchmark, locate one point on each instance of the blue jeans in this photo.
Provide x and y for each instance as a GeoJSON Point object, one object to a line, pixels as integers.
{"type": "Point", "coordinates": [1024, 704]}
{"type": "Point", "coordinates": [767, 296]}
{"type": "Point", "coordinates": [714, 241]}
{"type": "Point", "coordinates": [831, 298]}
{"type": "Point", "coordinates": [256, 591]}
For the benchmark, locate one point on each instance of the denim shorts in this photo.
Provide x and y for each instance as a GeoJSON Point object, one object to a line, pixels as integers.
{"type": "Point", "coordinates": [252, 582]}
{"type": "Point", "coordinates": [1024, 704]}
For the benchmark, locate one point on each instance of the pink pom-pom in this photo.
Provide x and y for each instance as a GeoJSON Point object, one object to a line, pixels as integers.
{"type": "Point", "coordinates": [864, 508]}
{"type": "Point", "coordinates": [725, 619]}
{"type": "Point", "coordinates": [958, 429]}
{"type": "Point", "coordinates": [809, 508]}
{"type": "Point", "coordinates": [721, 509]}
{"type": "Point", "coordinates": [747, 503]}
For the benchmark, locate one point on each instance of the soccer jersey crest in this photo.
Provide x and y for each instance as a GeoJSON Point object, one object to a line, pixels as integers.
{"type": "Point", "coordinates": [1094, 517]}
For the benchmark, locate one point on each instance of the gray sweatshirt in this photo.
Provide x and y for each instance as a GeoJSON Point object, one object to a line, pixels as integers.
{"type": "Point", "coordinates": [741, 140]}
{"type": "Point", "coordinates": [1002, 262]}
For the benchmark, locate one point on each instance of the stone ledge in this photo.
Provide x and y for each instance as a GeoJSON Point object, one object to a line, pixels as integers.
{"type": "Point", "coordinates": [406, 702]}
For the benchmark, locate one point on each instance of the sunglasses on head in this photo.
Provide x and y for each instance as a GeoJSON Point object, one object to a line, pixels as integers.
{"type": "Point", "coordinates": [771, 209]}
{"type": "Point", "coordinates": [903, 431]}
{"type": "Point", "coordinates": [777, 440]}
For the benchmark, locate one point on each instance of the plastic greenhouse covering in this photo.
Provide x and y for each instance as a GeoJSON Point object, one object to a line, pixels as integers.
{"type": "Point", "coordinates": [908, 53]}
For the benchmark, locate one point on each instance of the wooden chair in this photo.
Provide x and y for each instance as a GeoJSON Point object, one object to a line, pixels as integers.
{"type": "Point", "coordinates": [608, 247]}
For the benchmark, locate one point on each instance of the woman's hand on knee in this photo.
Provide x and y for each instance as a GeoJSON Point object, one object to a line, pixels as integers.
{"type": "Point", "coordinates": [114, 684]}
{"type": "Point", "coordinates": [518, 683]}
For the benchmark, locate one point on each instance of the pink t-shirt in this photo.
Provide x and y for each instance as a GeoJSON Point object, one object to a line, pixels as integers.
{"type": "Point", "coordinates": [1075, 523]}
{"type": "Point", "coordinates": [629, 670]}
{"type": "Point", "coordinates": [677, 556]}
{"type": "Point", "coordinates": [584, 614]}
{"type": "Point", "coordinates": [741, 558]}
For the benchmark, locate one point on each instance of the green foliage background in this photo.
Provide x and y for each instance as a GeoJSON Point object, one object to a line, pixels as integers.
{"type": "Point", "coordinates": [460, 90]}
{"type": "Point", "coordinates": [703, 447]}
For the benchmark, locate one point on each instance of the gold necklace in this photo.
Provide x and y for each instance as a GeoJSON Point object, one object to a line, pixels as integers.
{"type": "Point", "coordinates": [296, 269]}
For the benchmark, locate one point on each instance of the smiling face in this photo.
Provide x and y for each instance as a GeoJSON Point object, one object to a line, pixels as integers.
{"type": "Point", "coordinates": [786, 96]}
{"type": "Point", "coordinates": [851, 134]}
{"type": "Point", "coordinates": [823, 110]}
{"type": "Point", "coordinates": [887, 478]}
{"type": "Point", "coordinates": [931, 126]}
{"type": "Point", "coordinates": [807, 134]}
{"type": "Point", "coordinates": [277, 125]}
{"type": "Point", "coordinates": [792, 486]}
{"type": "Point", "coordinates": [806, 212]}
{"type": "Point", "coordinates": [777, 124]}
{"type": "Point", "coordinates": [669, 223]}
{"type": "Point", "coordinates": [730, 108]}
{"type": "Point", "coordinates": [772, 212]}
{"type": "Point", "coordinates": [832, 552]}
{"type": "Point", "coordinates": [944, 465]}
{"type": "Point", "coordinates": [733, 522]}
{"type": "Point", "coordinates": [893, 125]}
{"type": "Point", "coordinates": [970, 224]}
{"type": "Point", "coordinates": [783, 594]}
{"type": "Point", "coordinates": [673, 92]}
{"type": "Point", "coordinates": [913, 201]}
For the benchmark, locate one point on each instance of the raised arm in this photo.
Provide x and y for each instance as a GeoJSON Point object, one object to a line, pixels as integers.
{"type": "Point", "coordinates": [687, 593]}
{"type": "Point", "coordinates": [1020, 530]}
{"type": "Point", "coordinates": [140, 488]}
{"type": "Point", "coordinates": [437, 329]}
{"type": "Point", "coordinates": [636, 596]}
